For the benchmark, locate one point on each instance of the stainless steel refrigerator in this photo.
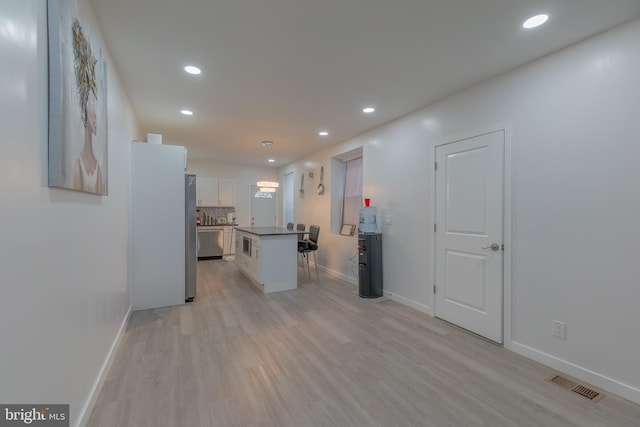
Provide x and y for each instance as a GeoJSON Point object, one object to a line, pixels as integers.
{"type": "Point", "coordinates": [191, 237]}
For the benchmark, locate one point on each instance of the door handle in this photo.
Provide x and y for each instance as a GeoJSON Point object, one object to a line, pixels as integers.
{"type": "Point", "coordinates": [493, 247]}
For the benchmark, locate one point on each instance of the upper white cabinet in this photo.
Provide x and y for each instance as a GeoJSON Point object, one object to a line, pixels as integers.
{"type": "Point", "coordinates": [206, 191]}
{"type": "Point", "coordinates": [215, 192]}
{"type": "Point", "coordinates": [226, 192]}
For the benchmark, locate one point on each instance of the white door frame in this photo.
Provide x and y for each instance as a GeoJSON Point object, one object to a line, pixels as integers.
{"type": "Point", "coordinates": [252, 191]}
{"type": "Point", "coordinates": [507, 253]}
{"type": "Point", "coordinates": [288, 193]}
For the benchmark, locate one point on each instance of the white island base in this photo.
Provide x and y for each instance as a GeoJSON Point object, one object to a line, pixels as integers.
{"type": "Point", "coordinates": [271, 260]}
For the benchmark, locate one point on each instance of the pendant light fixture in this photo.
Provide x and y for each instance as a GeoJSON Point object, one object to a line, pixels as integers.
{"type": "Point", "coordinates": [268, 186]}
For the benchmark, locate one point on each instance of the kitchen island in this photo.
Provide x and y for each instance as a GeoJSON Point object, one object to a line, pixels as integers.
{"type": "Point", "coordinates": [268, 257]}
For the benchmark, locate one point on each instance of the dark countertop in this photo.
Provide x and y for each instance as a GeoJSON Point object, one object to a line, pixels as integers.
{"type": "Point", "coordinates": [268, 231]}
{"type": "Point", "coordinates": [218, 225]}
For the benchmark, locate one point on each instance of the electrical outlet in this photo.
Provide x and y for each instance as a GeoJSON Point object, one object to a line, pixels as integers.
{"type": "Point", "coordinates": [388, 220]}
{"type": "Point", "coordinates": [559, 329]}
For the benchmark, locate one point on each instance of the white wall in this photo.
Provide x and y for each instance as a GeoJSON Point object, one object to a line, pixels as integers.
{"type": "Point", "coordinates": [244, 177]}
{"type": "Point", "coordinates": [572, 122]}
{"type": "Point", "coordinates": [572, 119]}
{"type": "Point", "coordinates": [63, 255]}
{"type": "Point", "coordinates": [337, 254]}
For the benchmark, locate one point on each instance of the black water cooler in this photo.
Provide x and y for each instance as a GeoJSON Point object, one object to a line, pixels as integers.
{"type": "Point", "coordinates": [370, 265]}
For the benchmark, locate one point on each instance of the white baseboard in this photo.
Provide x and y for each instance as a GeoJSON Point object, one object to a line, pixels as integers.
{"type": "Point", "coordinates": [394, 297]}
{"type": "Point", "coordinates": [408, 302]}
{"type": "Point", "coordinates": [339, 276]}
{"type": "Point", "coordinates": [605, 383]}
{"type": "Point", "coordinates": [85, 413]}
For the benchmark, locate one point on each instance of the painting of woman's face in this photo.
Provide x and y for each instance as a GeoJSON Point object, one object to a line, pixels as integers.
{"type": "Point", "coordinates": [78, 119]}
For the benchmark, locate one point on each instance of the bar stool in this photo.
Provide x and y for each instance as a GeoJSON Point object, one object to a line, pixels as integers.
{"type": "Point", "coordinates": [310, 245]}
{"type": "Point", "coordinates": [300, 227]}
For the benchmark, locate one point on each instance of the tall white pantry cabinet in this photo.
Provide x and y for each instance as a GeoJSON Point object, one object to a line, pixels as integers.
{"type": "Point", "coordinates": [157, 225]}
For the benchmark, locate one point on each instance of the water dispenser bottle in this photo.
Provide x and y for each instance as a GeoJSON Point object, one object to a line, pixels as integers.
{"type": "Point", "coordinates": [368, 214]}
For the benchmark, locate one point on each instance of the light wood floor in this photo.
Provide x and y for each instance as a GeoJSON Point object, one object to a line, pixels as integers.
{"type": "Point", "coordinates": [321, 356]}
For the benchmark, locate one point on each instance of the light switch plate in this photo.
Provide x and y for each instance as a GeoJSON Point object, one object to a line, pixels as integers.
{"type": "Point", "coordinates": [559, 329]}
{"type": "Point", "coordinates": [387, 220]}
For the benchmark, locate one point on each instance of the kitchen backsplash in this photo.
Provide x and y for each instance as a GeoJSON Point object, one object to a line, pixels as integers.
{"type": "Point", "coordinates": [213, 215]}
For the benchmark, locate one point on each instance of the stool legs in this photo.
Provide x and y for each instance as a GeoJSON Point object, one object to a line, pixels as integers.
{"type": "Point", "coordinates": [316, 265]}
{"type": "Point", "coordinates": [304, 258]}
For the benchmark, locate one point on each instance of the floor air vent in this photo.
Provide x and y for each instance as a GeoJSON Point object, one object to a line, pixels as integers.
{"type": "Point", "coordinates": [575, 387]}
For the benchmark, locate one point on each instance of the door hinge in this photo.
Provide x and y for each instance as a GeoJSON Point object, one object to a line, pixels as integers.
{"type": "Point", "coordinates": [434, 289]}
{"type": "Point", "coordinates": [434, 227]}
{"type": "Point", "coordinates": [436, 165]}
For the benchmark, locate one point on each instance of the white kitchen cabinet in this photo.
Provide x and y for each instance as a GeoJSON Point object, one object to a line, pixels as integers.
{"type": "Point", "coordinates": [214, 191]}
{"type": "Point", "coordinates": [244, 258]}
{"type": "Point", "coordinates": [207, 191]}
{"type": "Point", "coordinates": [239, 253]}
{"type": "Point", "coordinates": [254, 261]}
{"type": "Point", "coordinates": [226, 192]}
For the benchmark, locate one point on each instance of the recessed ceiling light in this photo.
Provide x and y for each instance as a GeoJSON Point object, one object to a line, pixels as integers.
{"type": "Point", "coordinates": [535, 21]}
{"type": "Point", "coordinates": [272, 160]}
{"type": "Point", "coordinates": [192, 70]}
{"type": "Point", "coordinates": [368, 110]}
{"type": "Point", "coordinates": [323, 133]}
{"type": "Point", "coordinates": [187, 112]}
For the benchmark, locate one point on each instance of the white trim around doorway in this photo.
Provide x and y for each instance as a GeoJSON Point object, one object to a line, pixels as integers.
{"type": "Point", "coordinates": [507, 221]}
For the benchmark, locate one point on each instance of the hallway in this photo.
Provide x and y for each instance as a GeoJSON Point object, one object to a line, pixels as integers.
{"type": "Point", "coordinates": [321, 356]}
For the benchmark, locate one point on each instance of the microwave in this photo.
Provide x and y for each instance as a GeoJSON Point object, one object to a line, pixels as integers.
{"type": "Point", "coordinates": [246, 245]}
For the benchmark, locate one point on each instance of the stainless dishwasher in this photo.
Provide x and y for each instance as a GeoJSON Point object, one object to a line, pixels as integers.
{"type": "Point", "coordinates": [210, 242]}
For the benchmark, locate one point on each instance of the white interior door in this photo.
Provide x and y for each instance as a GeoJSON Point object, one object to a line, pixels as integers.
{"type": "Point", "coordinates": [263, 208]}
{"type": "Point", "coordinates": [469, 234]}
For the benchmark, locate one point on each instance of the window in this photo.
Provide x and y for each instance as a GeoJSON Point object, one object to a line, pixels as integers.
{"type": "Point", "coordinates": [262, 195]}
{"type": "Point", "coordinates": [346, 190]}
{"type": "Point", "coordinates": [288, 192]}
{"type": "Point", "coordinates": [352, 195]}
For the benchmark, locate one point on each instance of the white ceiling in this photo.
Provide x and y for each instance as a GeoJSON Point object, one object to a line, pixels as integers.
{"type": "Point", "coordinates": [282, 70]}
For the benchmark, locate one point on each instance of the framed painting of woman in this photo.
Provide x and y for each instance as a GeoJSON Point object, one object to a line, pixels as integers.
{"type": "Point", "coordinates": [78, 143]}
